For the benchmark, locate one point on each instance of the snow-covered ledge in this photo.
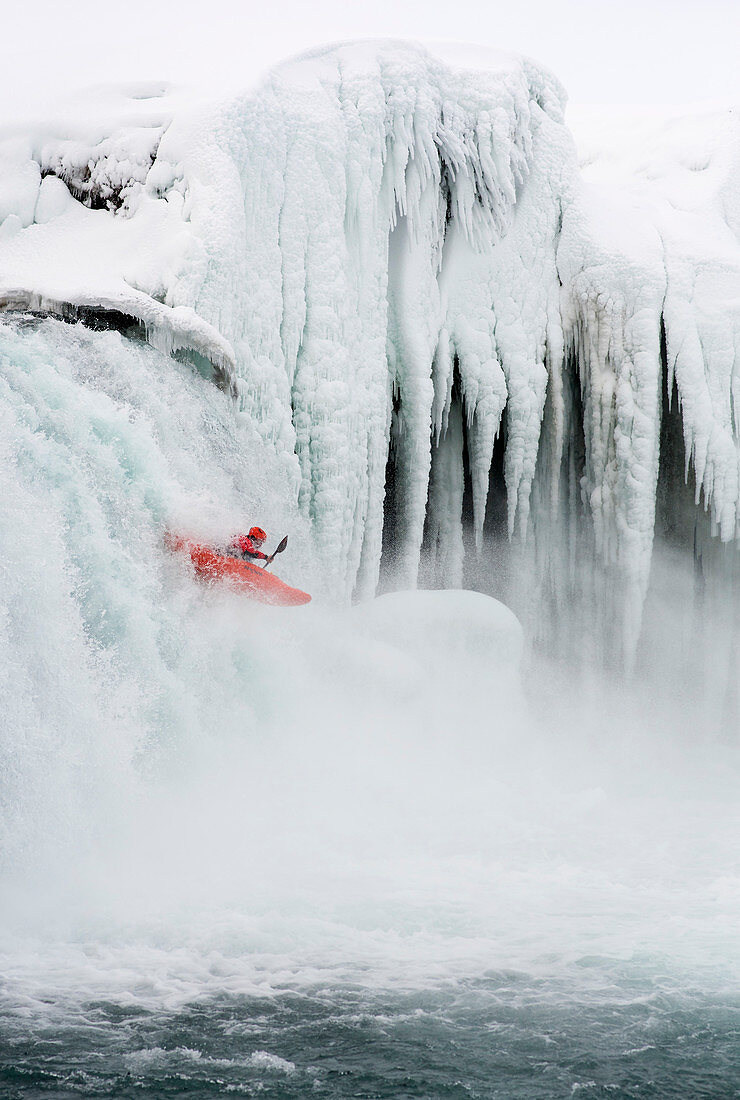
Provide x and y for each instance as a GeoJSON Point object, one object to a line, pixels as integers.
{"type": "Point", "coordinates": [168, 329]}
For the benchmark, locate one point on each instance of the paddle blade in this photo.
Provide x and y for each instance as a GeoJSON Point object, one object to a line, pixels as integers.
{"type": "Point", "coordinates": [278, 550]}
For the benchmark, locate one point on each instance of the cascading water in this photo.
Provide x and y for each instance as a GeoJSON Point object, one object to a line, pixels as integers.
{"type": "Point", "coordinates": [104, 445]}
{"type": "Point", "coordinates": [356, 850]}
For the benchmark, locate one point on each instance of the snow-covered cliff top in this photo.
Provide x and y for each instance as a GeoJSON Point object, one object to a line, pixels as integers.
{"type": "Point", "coordinates": [99, 198]}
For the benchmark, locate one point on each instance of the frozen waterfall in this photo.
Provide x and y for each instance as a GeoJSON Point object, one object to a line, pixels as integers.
{"type": "Point", "coordinates": [476, 362]}
{"type": "Point", "coordinates": [430, 843]}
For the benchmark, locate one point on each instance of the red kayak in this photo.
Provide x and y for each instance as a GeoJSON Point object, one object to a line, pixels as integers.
{"type": "Point", "coordinates": [253, 580]}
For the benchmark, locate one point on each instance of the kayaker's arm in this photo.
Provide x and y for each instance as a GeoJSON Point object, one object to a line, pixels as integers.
{"type": "Point", "coordinates": [246, 548]}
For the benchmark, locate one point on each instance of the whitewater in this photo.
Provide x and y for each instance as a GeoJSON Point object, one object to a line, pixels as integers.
{"type": "Point", "coordinates": [401, 841]}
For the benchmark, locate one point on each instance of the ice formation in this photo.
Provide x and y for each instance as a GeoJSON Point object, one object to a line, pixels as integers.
{"type": "Point", "coordinates": [466, 344]}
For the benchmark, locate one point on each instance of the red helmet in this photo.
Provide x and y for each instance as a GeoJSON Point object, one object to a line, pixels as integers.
{"type": "Point", "coordinates": [257, 533]}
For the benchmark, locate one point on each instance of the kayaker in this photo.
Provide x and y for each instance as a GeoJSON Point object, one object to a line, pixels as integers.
{"type": "Point", "coordinates": [248, 547]}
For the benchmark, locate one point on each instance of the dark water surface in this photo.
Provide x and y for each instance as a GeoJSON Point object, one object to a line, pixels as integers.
{"type": "Point", "coordinates": [507, 1036]}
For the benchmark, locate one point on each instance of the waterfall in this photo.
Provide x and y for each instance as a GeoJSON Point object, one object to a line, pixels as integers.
{"type": "Point", "coordinates": [391, 261]}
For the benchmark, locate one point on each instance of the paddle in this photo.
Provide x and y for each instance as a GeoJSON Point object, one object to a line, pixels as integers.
{"type": "Point", "coordinates": [278, 550]}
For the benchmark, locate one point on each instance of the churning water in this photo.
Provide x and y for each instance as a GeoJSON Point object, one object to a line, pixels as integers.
{"type": "Point", "coordinates": [317, 851]}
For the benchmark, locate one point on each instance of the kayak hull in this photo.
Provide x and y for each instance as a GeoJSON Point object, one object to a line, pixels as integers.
{"type": "Point", "coordinates": [253, 580]}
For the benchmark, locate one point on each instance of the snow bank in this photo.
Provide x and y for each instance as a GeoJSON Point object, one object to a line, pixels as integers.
{"type": "Point", "coordinates": [88, 230]}
{"type": "Point", "coordinates": [395, 264]}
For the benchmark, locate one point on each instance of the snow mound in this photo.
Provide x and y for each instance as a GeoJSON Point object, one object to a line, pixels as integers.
{"type": "Point", "coordinates": [446, 625]}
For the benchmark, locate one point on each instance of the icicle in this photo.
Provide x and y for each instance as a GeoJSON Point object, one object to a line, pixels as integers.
{"type": "Point", "coordinates": [444, 533]}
